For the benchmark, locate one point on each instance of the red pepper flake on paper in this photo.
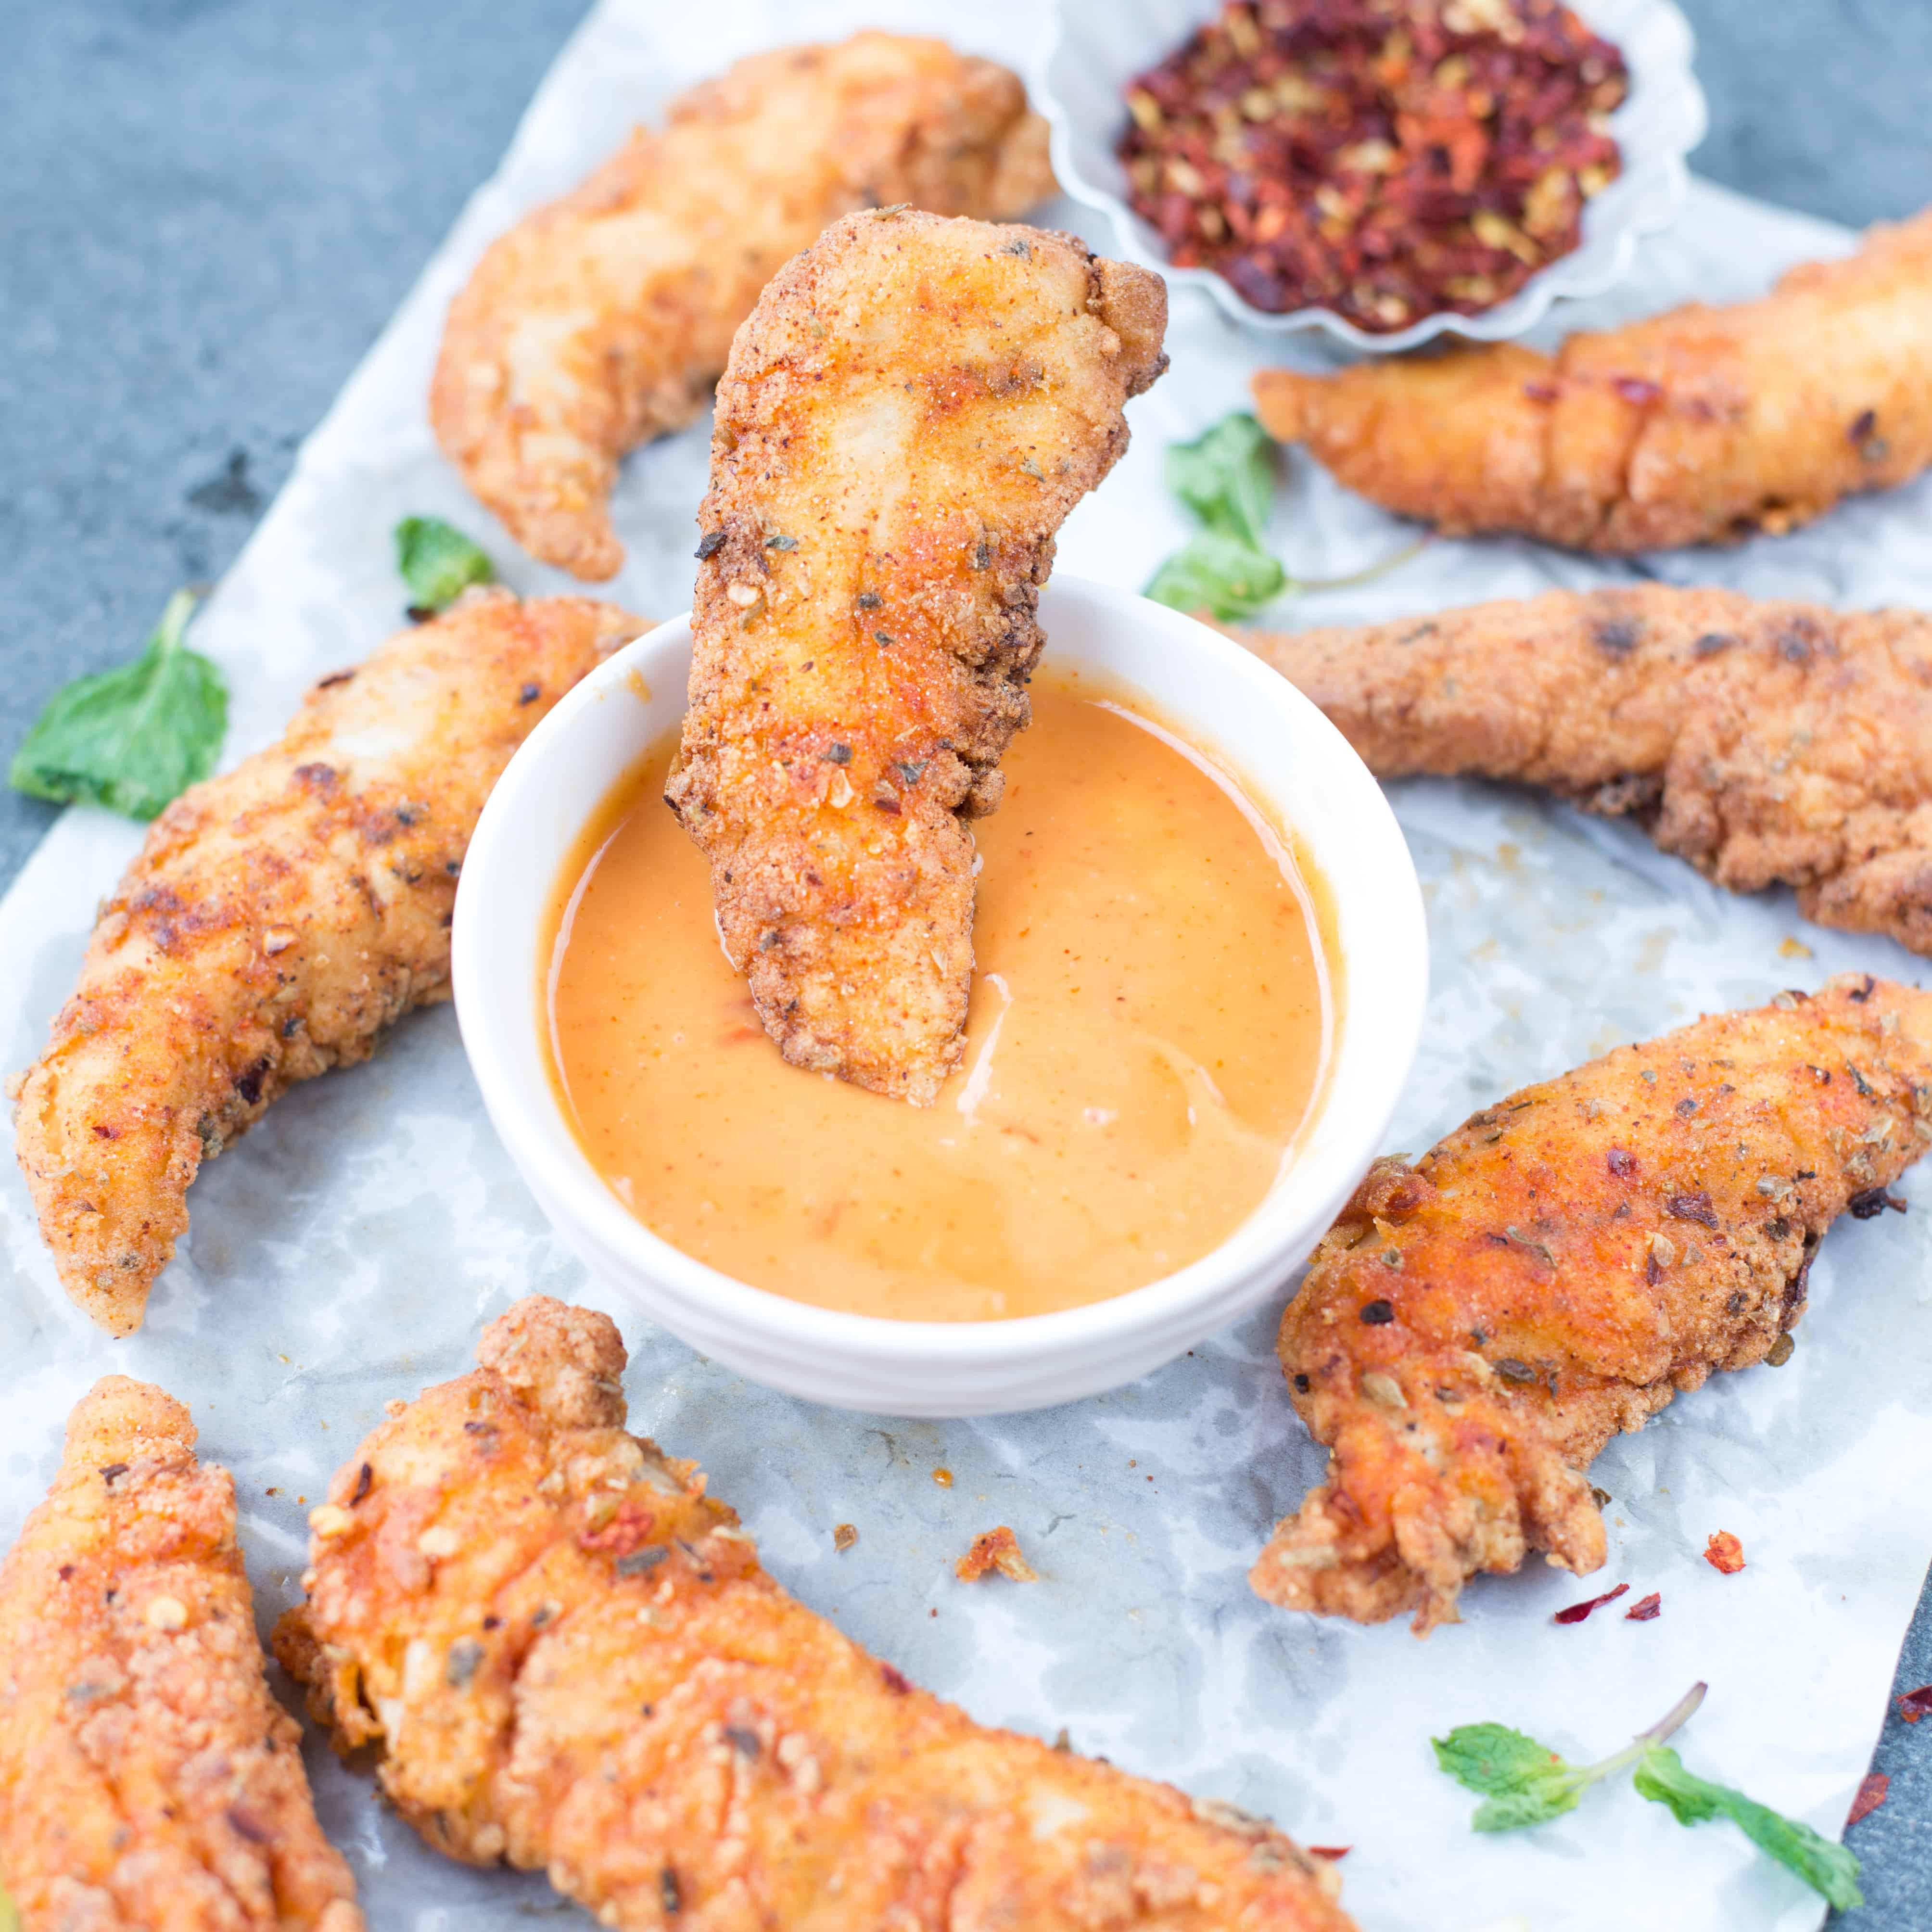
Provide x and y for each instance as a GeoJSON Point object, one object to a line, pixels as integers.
{"type": "Point", "coordinates": [1330, 1851]}
{"type": "Point", "coordinates": [1725, 1553]}
{"type": "Point", "coordinates": [1645, 1608]}
{"type": "Point", "coordinates": [1871, 1795]}
{"type": "Point", "coordinates": [1386, 162]}
{"type": "Point", "coordinates": [1915, 1704]}
{"type": "Point", "coordinates": [1576, 1613]}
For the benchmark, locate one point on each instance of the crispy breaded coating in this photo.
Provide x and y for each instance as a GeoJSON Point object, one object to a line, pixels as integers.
{"type": "Point", "coordinates": [909, 414]}
{"type": "Point", "coordinates": [603, 320]}
{"type": "Point", "coordinates": [1477, 1326]}
{"type": "Point", "coordinates": [147, 1777]}
{"type": "Point", "coordinates": [1699, 426]}
{"type": "Point", "coordinates": [1768, 743]}
{"type": "Point", "coordinates": [278, 919]}
{"type": "Point", "coordinates": [569, 1658]}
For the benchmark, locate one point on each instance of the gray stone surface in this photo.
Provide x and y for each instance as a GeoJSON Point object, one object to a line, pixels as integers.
{"type": "Point", "coordinates": [211, 206]}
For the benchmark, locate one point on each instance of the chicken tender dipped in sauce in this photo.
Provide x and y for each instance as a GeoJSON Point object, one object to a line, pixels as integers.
{"type": "Point", "coordinates": [909, 415]}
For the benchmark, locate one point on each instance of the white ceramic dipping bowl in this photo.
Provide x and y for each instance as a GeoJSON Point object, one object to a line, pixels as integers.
{"type": "Point", "coordinates": [1287, 757]}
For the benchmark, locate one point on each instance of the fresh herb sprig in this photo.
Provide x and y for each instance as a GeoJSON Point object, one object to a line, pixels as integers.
{"type": "Point", "coordinates": [1226, 477]}
{"type": "Point", "coordinates": [132, 738]}
{"type": "Point", "coordinates": [1524, 1783]}
{"type": "Point", "coordinates": [1220, 574]}
{"type": "Point", "coordinates": [438, 563]}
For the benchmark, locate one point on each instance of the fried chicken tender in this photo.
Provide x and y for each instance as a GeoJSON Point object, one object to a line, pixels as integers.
{"type": "Point", "coordinates": [1698, 426]}
{"type": "Point", "coordinates": [1477, 1326]}
{"type": "Point", "coordinates": [909, 414]}
{"type": "Point", "coordinates": [278, 919]}
{"type": "Point", "coordinates": [570, 1658]}
{"type": "Point", "coordinates": [603, 320]}
{"type": "Point", "coordinates": [1768, 743]}
{"type": "Point", "coordinates": [147, 1777]}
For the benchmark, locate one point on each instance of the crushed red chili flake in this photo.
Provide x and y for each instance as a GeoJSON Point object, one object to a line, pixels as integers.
{"type": "Point", "coordinates": [1915, 1704]}
{"type": "Point", "coordinates": [1871, 1795]}
{"type": "Point", "coordinates": [1724, 1551]}
{"type": "Point", "coordinates": [1645, 1608]}
{"type": "Point", "coordinates": [1576, 1613]}
{"type": "Point", "coordinates": [623, 1533]}
{"type": "Point", "coordinates": [1330, 1851]}
{"type": "Point", "coordinates": [1385, 159]}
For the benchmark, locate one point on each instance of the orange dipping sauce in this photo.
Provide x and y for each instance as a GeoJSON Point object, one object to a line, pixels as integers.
{"type": "Point", "coordinates": [1150, 1025]}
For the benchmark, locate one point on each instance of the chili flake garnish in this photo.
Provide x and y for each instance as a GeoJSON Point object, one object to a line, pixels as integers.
{"type": "Point", "coordinates": [1386, 159]}
{"type": "Point", "coordinates": [1645, 1608]}
{"type": "Point", "coordinates": [1576, 1613]}
{"type": "Point", "coordinates": [1871, 1795]}
{"type": "Point", "coordinates": [627, 1529]}
{"type": "Point", "coordinates": [1724, 1551]}
{"type": "Point", "coordinates": [1915, 1704]}
{"type": "Point", "coordinates": [1330, 1851]}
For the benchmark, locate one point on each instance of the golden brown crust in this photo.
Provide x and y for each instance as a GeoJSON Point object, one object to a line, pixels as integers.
{"type": "Point", "coordinates": [1476, 1327]}
{"type": "Point", "coordinates": [910, 413]}
{"type": "Point", "coordinates": [570, 1658]}
{"type": "Point", "coordinates": [601, 320]}
{"type": "Point", "coordinates": [1698, 426]}
{"type": "Point", "coordinates": [147, 1777]}
{"type": "Point", "coordinates": [1767, 742]}
{"type": "Point", "coordinates": [277, 919]}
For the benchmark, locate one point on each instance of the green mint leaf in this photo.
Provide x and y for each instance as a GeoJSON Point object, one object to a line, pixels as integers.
{"type": "Point", "coordinates": [130, 740]}
{"type": "Point", "coordinates": [1661, 1777]}
{"type": "Point", "coordinates": [1830, 1870]}
{"type": "Point", "coordinates": [1492, 1758]}
{"type": "Point", "coordinates": [1546, 1797]}
{"type": "Point", "coordinates": [1525, 1782]}
{"type": "Point", "coordinates": [1220, 574]}
{"type": "Point", "coordinates": [438, 561]}
{"type": "Point", "coordinates": [1226, 478]}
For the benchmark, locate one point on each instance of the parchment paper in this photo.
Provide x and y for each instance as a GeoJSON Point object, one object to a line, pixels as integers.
{"type": "Point", "coordinates": [349, 1250]}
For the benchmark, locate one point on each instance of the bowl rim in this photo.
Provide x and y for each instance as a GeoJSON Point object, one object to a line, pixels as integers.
{"type": "Point", "coordinates": [545, 1151]}
{"type": "Point", "coordinates": [1566, 279]}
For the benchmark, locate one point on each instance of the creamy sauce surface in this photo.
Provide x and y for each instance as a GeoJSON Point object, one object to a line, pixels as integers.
{"type": "Point", "coordinates": [1149, 1028]}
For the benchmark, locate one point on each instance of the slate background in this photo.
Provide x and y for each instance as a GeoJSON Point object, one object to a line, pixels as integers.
{"type": "Point", "coordinates": [210, 208]}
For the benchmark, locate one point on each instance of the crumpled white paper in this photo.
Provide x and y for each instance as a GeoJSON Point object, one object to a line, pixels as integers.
{"type": "Point", "coordinates": [350, 1248]}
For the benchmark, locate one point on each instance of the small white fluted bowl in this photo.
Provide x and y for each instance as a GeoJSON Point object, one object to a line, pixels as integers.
{"type": "Point", "coordinates": [1093, 48]}
{"type": "Point", "coordinates": [1290, 760]}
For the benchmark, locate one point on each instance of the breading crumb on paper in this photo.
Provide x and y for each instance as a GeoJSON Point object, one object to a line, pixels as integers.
{"type": "Point", "coordinates": [995, 1550]}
